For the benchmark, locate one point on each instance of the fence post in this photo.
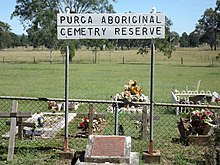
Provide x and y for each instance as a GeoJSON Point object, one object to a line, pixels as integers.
{"type": "Point", "coordinates": [90, 118]}
{"type": "Point", "coordinates": [115, 107]}
{"type": "Point", "coordinates": [144, 118]}
{"type": "Point", "coordinates": [151, 147]}
{"type": "Point", "coordinates": [3, 59]}
{"type": "Point", "coordinates": [66, 142]}
{"type": "Point", "coordinates": [12, 133]}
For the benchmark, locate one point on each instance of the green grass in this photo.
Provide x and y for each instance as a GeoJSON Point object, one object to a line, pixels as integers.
{"type": "Point", "coordinates": [102, 80]}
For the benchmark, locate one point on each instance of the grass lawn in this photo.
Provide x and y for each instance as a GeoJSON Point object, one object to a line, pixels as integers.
{"type": "Point", "coordinates": [108, 76]}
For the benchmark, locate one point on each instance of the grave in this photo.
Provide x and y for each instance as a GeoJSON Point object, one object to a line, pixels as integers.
{"type": "Point", "coordinates": [53, 123]}
{"type": "Point", "coordinates": [190, 97]}
{"type": "Point", "coordinates": [14, 116]}
{"type": "Point", "coordinates": [93, 122]}
{"type": "Point", "coordinates": [129, 98]}
{"type": "Point", "coordinates": [103, 149]}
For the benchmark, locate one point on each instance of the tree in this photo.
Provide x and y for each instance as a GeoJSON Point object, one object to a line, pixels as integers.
{"type": "Point", "coordinates": [5, 35]}
{"type": "Point", "coordinates": [39, 20]}
{"type": "Point", "coordinates": [208, 27]}
{"type": "Point", "coordinates": [14, 40]}
{"type": "Point", "coordinates": [193, 39]}
{"type": "Point", "coordinates": [166, 46]}
{"type": "Point", "coordinates": [71, 49]}
{"type": "Point", "coordinates": [23, 40]}
{"type": "Point", "coordinates": [184, 40]}
{"type": "Point", "coordinates": [35, 37]}
{"type": "Point", "coordinates": [39, 16]}
{"type": "Point", "coordinates": [91, 6]}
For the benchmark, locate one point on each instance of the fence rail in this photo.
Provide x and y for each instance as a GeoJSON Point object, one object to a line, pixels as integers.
{"type": "Point", "coordinates": [110, 102]}
{"type": "Point", "coordinates": [49, 133]}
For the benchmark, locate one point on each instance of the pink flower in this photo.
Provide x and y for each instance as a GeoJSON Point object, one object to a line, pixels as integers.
{"type": "Point", "coordinates": [197, 114]}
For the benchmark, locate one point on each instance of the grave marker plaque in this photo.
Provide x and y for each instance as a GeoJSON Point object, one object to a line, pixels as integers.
{"type": "Point", "coordinates": [112, 149]}
{"type": "Point", "coordinates": [108, 146]}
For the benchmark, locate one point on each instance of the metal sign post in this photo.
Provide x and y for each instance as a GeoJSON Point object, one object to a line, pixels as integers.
{"type": "Point", "coordinates": [152, 96]}
{"type": "Point", "coordinates": [66, 97]}
{"type": "Point", "coordinates": [65, 148]}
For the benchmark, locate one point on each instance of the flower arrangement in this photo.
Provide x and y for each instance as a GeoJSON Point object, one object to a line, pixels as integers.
{"type": "Point", "coordinates": [201, 120]}
{"type": "Point", "coordinates": [132, 92]}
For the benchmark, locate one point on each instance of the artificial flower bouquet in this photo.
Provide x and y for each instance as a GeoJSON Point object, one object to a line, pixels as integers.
{"type": "Point", "coordinates": [132, 93]}
{"type": "Point", "coordinates": [201, 121]}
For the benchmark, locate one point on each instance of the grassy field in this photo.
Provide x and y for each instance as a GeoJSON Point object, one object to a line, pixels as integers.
{"type": "Point", "coordinates": [20, 76]}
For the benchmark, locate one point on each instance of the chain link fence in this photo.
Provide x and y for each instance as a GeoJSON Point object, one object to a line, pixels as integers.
{"type": "Point", "coordinates": [45, 136]}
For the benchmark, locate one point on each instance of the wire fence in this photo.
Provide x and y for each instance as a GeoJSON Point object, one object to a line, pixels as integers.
{"type": "Point", "coordinates": [45, 129]}
{"type": "Point", "coordinates": [30, 56]}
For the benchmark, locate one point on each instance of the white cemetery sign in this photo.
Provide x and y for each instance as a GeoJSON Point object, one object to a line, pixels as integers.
{"type": "Point", "coordinates": [111, 26]}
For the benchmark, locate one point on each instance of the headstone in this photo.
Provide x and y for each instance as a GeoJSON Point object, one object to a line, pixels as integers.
{"type": "Point", "coordinates": [112, 149]}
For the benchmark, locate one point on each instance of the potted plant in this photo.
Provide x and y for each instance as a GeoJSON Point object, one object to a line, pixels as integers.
{"type": "Point", "coordinates": [196, 125]}
{"type": "Point", "coordinates": [201, 121]}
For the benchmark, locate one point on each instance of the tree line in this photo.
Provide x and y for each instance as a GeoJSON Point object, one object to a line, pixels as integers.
{"type": "Point", "coordinates": [10, 39]}
{"type": "Point", "coordinates": [207, 30]}
{"type": "Point", "coordinates": [39, 20]}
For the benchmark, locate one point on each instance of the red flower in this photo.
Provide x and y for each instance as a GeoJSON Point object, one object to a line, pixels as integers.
{"type": "Point", "coordinates": [81, 125]}
{"type": "Point", "coordinates": [201, 118]}
{"type": "Point", "coordinates": [84, 119]}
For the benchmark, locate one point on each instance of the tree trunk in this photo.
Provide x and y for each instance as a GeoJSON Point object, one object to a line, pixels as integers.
{"type": "Point", "coordinates": [51, 56]}
{"type": "Point", "coordinates": [211, 46]}
{"type": "Point", "coordinates": [95, 60]}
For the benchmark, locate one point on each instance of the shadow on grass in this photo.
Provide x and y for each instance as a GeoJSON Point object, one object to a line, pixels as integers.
{"type": "Point", "coordinates": [130, 63]}
{"type": "Point", "coordinates": [197, 66]}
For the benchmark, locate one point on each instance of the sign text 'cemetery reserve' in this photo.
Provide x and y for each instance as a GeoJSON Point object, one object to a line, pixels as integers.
{"type": "Point", "coordinates": [110, 26]}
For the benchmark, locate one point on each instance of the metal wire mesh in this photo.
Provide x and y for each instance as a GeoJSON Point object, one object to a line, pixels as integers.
{"type": "Point", "coordinates": [50, 135]}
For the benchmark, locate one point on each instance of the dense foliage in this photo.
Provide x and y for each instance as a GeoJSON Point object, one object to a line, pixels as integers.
{"type": "Point", "coordinates": [206, 31]}
{"type": "Point", "coordinates": [39, 19]}
{"type": "Point", "coordinates": [7, 38]}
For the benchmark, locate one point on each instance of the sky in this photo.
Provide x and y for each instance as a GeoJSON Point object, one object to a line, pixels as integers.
{"type": "Point", "coordinates": [184, 14]}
